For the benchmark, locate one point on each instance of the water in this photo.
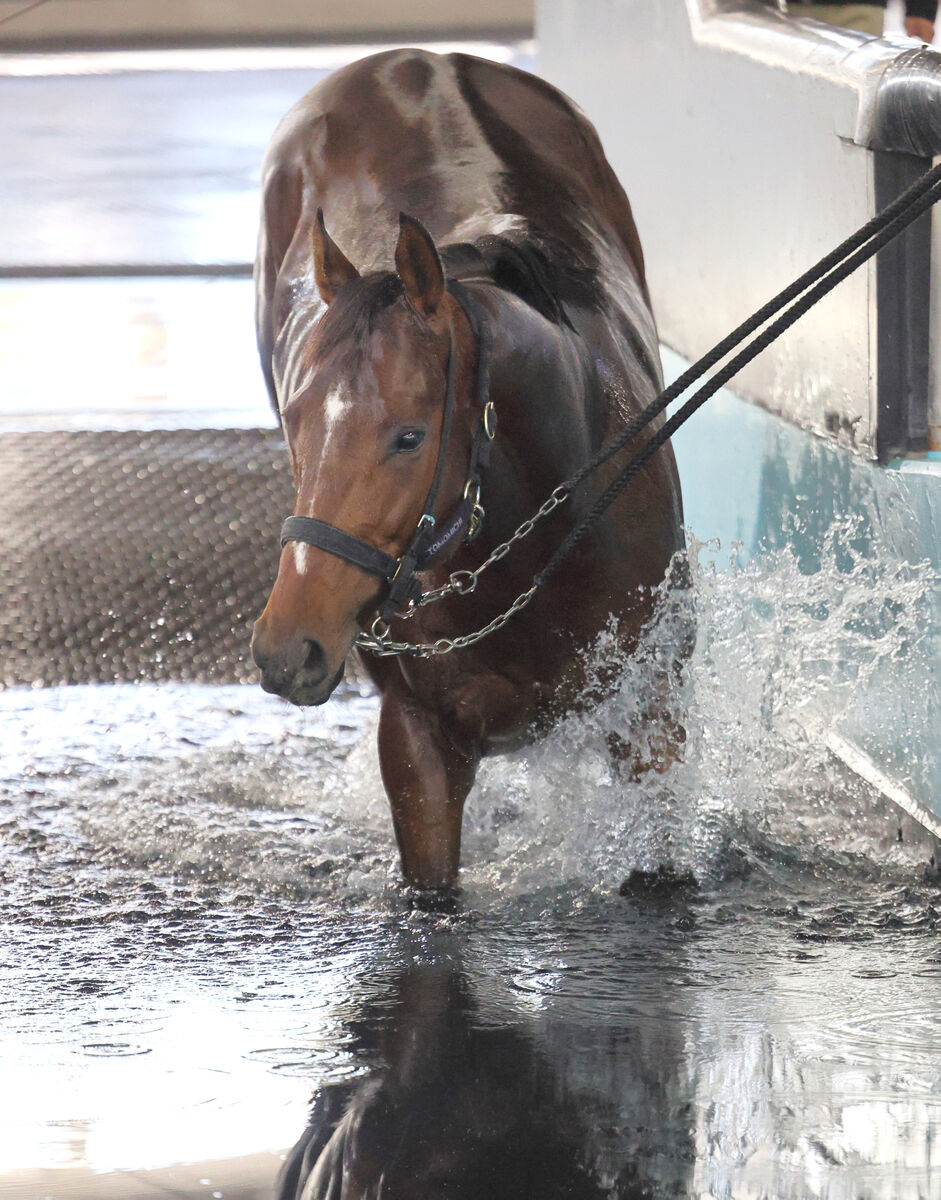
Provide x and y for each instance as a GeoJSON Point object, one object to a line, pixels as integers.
{"type": "Point", "coordinates": [202, 926]}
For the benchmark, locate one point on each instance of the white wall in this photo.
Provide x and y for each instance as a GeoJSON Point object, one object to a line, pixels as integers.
{"type": "Point", "coordinates": [733, 135]}
{"type": "Point", "coordinates": [84, 21]}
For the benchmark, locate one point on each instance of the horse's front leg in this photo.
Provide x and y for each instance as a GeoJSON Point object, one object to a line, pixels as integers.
{"type": "Point", "coordinates": [663, 742]}
{"type": "Point", "coordinates": [664, 746]}
{"type": "Point", "coordinates": [427, 780]}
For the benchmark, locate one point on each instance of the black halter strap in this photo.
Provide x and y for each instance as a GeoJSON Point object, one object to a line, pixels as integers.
{"type": "Point", "coordinates": [428, 541]}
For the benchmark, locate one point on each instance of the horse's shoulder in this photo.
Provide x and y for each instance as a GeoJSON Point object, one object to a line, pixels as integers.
{"type": "Point", "coordinates": [504, 97]}
{"type": "Point", "coordinates": [552, 155]}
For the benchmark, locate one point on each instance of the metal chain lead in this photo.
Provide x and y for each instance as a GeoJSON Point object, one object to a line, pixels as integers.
{"type": "Point", "coordinates": [461, 583]}
{"type": "Point", "coordinates": [378, 642]}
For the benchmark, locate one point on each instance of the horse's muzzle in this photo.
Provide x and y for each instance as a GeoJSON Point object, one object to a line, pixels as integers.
{"type": "Point", "coordinates": [297, 671]}
{"type": "Point", "coordinates": [306, 695]}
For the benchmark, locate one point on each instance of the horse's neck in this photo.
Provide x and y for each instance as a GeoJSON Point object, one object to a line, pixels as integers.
{"type": "Point", "coordinates": [543, 385]}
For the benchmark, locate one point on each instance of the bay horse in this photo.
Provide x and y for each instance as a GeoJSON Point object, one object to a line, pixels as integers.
{"type": "Point", "coordinates": [443, 243]}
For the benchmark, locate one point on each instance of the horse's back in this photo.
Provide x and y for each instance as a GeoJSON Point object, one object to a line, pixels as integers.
{"type": "Point", "coordinates": [467, 146]}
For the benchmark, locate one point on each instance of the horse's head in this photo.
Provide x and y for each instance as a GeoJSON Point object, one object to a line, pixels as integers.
{"type": "Point", "coordinates": [363, 425]}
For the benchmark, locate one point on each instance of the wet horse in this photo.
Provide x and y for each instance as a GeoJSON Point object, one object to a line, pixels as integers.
{"type": "Point", "coordinates": [443, 245]}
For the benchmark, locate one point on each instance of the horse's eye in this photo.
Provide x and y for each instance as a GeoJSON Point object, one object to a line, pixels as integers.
{"type": "Point", "coordinates": [409, 439]}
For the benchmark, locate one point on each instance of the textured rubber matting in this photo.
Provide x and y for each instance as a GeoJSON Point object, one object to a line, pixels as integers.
{"type": "Point", "coordinates": [137, 556]}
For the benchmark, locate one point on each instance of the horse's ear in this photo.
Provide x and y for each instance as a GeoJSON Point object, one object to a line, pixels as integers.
{"type": "Point", "coordinates": [418, 266]}
{"type": "Point", "coordinates": [331, 266]}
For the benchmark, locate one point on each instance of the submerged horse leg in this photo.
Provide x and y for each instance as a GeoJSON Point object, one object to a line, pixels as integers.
{"type": "Point", "coordinates": [664, 747]}
{"type": "Point", "coordinates": [427, 780]}
{"type": "Point", "coordinates": [663, 742]}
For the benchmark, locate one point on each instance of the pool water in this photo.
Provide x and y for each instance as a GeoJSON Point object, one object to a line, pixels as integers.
{"type": "Point", "coordinates": [202, 928]}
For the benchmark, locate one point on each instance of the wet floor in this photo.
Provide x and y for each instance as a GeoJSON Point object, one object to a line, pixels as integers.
{"type": "Point", "coordinates": [202, 932]}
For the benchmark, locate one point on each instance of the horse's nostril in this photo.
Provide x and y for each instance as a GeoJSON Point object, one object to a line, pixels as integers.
{"type": "Point", "coordinates": [315, 660]}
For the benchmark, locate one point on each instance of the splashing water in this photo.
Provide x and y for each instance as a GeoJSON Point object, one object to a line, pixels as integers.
{"type": "Point", "coordinates": [232, 791]}
{"type": "Point", "coordinates": [779, 656]}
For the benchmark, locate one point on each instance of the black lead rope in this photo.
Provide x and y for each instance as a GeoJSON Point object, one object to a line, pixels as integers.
{"type": "Point", "coordinates": [874, 226]}
{"type": "Point", "coordinates": [826, 274]}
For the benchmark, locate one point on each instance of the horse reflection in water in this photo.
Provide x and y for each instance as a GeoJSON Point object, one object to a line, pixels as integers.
{"type": "Point", "coordinates": [454, 1108]}
{"type": "Point", "coordinates": [440, 234]}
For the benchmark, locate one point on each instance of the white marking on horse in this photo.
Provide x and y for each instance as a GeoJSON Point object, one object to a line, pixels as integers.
{"type": "Point", "coordinates": [334, 407]}
{"type": "Point", "coordinates": [335, 404]}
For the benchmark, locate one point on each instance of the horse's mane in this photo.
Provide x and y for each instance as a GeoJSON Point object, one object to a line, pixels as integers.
{"type": "Point", "coordinates": [542, 271]}
{"type": "Point", "coordinates": [354, 311]}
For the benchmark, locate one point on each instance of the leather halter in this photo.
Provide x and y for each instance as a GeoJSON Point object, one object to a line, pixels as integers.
{"type": "Point", "coordinates": [427, 541]}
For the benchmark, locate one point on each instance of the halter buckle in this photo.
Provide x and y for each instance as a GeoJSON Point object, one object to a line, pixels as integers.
{"type": "Point", "coordinates": [409, 600]}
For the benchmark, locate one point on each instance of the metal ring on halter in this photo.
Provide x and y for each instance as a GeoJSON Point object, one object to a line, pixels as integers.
{"type": "Point", "coordinates": [476, 518]}
{"type": "Point", "coordinates": [489, 420]}
{"type": "Point", "coordinates": [462, 582]}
